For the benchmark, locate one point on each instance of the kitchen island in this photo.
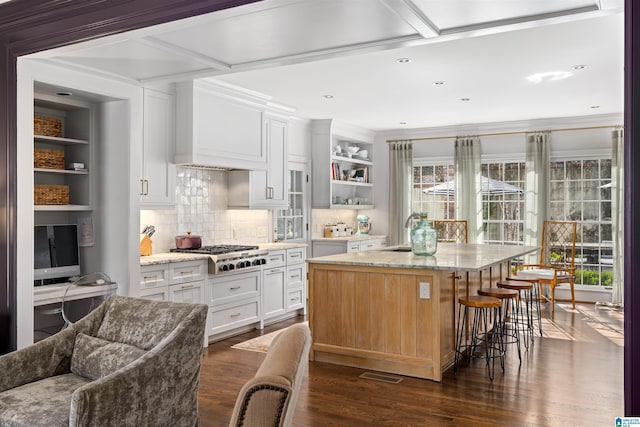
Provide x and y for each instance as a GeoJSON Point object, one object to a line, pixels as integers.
{"type": "Point", "coordinates": [392, 311]}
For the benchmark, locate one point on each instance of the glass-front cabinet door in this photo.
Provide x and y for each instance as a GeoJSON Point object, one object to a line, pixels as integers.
{"type": "Point", "coordinates": [291, 222]}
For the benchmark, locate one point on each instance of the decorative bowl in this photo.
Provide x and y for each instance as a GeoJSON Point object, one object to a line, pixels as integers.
{"type": "Point", "coordinates": [353, 149]}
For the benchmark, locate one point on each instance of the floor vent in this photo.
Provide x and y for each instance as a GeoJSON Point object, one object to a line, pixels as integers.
{"type": "Point", "coordinates": [381, 377]}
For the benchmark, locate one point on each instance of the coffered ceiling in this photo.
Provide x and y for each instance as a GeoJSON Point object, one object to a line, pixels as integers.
{"type": "Point", "coordinates": [299, 50]}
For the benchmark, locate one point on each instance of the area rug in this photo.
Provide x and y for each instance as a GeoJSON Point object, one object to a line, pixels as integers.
{"type": "Point", "coordinates": [260, 344]}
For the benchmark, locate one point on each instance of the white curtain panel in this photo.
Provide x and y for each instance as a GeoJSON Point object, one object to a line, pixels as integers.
{"type": "Point", "coordinates": [536, 203]}
{"type": "Point", "coordinates": [617, 216]}
{"type": "Point", "coordinates": [400, 185]}
{"type": "Point", "coordinates": [468, 185]}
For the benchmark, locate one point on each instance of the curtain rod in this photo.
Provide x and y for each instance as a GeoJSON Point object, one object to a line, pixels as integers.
{"type": "Point", "coordinates": [503, 133]}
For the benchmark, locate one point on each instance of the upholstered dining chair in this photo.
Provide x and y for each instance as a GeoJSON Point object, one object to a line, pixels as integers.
{"type": "Point", "coordinates": [557, 258]}
{"type": "Point", "coordinates": [269, 398]}
{"type": "Point", "coordinates": [130, 362]}
{"type": "Point", "coordinates": [451, 230]}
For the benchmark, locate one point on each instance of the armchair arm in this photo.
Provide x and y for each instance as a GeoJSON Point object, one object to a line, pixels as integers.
{"type": "Point", "coordinates": [46, 358]}
{"type": "Point", "coordinates": [160, 388]}
{"type": "Point", "coordinates": [262, 400]}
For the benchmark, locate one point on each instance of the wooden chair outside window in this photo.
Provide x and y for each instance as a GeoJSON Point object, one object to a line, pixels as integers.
{"type": "Point", "coordinates": [451, 230]}
{"type": "Point", "coordinates": [557, 258]}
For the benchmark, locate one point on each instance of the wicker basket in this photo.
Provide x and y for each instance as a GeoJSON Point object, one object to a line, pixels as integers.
{"type": "Point", "coordinates": [44, 194]}
{"type": "Point", "coordinates": [48, 159]}
{"type": "Point", "coordinates": [47, 126]}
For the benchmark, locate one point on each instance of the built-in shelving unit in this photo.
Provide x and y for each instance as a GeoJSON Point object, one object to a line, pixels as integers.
{"type": "Point", "coordinates": [342, 168]}
{"type": "Point", "coordinates": [74, 143]}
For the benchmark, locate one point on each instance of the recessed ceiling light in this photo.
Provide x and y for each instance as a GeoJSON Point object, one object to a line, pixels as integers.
{"type": "Point", "coordinates": [438, 83]}
{"type": "Point", "coordinates": [64, 93]}
{"type": "Point", "coordinates": [328, 96]}
{"type": "Point", "coordinates": [548, 76]}
{"type": "Point", "coordinates": [579, 67]}
{"type": "Point", "coordinates": [404, 60]}
{"type": "Point", "coordinates": [595, 106]}
{"type": "Point", "coordinates": [465, 99]}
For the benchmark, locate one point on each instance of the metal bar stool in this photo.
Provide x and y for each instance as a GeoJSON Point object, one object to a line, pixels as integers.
{"type": "Point", "coordinates": [510, 328]}
{"type": "Point", "coordinates": [525, 296]}
{"type": "Point", "coordinates": [535, 296]}
{"type": "Point", "coordinates": [481, 334]}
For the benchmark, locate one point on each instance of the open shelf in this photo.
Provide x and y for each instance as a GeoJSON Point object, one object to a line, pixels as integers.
{"type": "Point", "coordinates": [59, 140]}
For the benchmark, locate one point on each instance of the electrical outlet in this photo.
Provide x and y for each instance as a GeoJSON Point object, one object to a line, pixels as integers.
{"type": "Point", "coordinates": [425, 290]}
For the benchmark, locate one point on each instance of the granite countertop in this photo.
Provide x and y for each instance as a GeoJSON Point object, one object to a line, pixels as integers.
{"type": "Point", "coordinates": [281, 245]}
{"type": "Point", "coordinates": [450, 256]}
{"type": "Point", "coordinates": [353, 238]}
{"type": "Point", "coordinates": [165, 257]}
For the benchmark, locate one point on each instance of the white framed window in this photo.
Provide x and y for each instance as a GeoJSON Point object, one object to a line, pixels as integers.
{"type": "Point", "coordinates": [433, 190]}
{"type": "Point", "coordinates": [580, 191]}
{"type": "Point", "coordinates": [503, 202]}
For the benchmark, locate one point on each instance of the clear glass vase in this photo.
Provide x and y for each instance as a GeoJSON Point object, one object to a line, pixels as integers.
{"type": "Point", "coordinates": [424, 239]}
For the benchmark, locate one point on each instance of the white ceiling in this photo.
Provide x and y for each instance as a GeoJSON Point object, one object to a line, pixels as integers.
{"type": "Point", "coordinates": [297, 51]}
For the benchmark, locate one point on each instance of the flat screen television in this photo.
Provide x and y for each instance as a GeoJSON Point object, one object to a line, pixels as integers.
{"type": "Point", "coordinates": [55, 251]}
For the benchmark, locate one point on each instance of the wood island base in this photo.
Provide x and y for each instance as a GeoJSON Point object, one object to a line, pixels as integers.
{"type": "Point", "coordinates": [389, 319]}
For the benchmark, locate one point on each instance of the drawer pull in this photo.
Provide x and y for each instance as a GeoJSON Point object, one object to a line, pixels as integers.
{"type": "Point", "coordinates": [186, 272]}
{"type": "Point", "coordinates": [150, 277]}
{"type": "Point", "coordinates": [295, 299]}
{"type": "Point", "coordinates": [275, 270]}
{"type": "Point", "coordinates": [233, 288]}
{"type": "Point", "coordinates": [275, 258]}
{"type": "Point", "coordinates": [295, 256]}
{"type": "Point", "coordinates": [294, 276]}
{"type": "Point", "coordinates": [235, 314]}
{"type": "Point", "coordinates": [186, 286]}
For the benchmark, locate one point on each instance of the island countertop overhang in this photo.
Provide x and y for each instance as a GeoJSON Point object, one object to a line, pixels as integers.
{"type": "Point", "coordinates": [450, 256]}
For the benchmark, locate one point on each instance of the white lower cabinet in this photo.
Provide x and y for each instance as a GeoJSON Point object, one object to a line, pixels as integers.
{"type": "Point", "coordinates": [154, 281]}
{"type": "Point", "coordinates": [192, 292]}
{"type": "Point", "coordinates": [324, 247]}
{"type": "Point", "coordinates": [234, 301]}
{"type": "Point", "coordinates": [273, 285]}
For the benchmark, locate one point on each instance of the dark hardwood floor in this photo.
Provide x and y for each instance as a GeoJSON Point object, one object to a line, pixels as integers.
{"type": "Point", "coordinates": [572, 376]}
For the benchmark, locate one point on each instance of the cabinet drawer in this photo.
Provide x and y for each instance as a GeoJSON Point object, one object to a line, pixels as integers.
{"type": "Point", "coordinates": [276, 259]}
{"type": "Point", "coordinates": [192, 292]}
{"type": "Point", "coordinates": [155, 294]}
{"type": "Point", "coordinates": [295, 274]}
{"type": "Point", "coordinates": [295, 298]}
{"type": "Point", "coordinates": [295, 256]}
{"type": "Point", "coordinates": [353, 246]}
{"type": "Point", "coordinates": [189, 271]}
{"type": "Point", "coordinates": [153, 276]}
{"type": "Point", "coordinates": [233, 316]}
{"type": "Point", "coordinates": [228, 289]}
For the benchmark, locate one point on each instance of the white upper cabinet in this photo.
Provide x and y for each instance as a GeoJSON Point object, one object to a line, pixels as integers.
{"type": "Point", "coordinates": [157, 184]}
{"type": "Point", "coordinates": [218, 128]}
{"type": "Point", "coordinates": [264, 189]}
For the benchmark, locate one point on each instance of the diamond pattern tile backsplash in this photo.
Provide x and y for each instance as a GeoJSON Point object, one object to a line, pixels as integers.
{"type": "Point", "coordinates": [201, 207]}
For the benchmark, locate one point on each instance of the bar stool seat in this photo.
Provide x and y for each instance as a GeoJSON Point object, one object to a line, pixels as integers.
{"type": "Point", "coordinates": [510, 315]}
{"type": "Point", "coordinates": [481, 334]}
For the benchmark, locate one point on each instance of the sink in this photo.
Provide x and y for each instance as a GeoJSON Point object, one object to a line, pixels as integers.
{"type": "Point", "coordinates": [398, 249]}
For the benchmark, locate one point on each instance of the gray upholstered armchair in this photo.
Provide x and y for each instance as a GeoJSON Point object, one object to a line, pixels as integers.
{"type": "Point", "coordinates": [130, 362]}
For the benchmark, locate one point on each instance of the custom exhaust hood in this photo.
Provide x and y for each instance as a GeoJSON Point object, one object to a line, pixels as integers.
{"type": "Point", "coordinates": [220, 126]}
